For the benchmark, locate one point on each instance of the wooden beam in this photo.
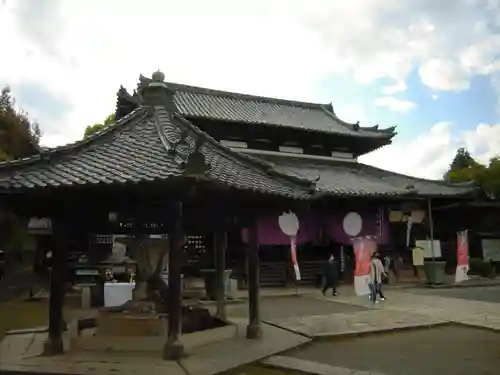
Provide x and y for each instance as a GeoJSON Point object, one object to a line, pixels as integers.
{"type": "Point", "coordinates": [220, 245]}
{"type": "Point", "coordinates": [174, 349]}
{"type": "Point", "coordinates": [58, 273]}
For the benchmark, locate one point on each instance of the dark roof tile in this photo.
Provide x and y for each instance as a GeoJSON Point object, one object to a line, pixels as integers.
{"type": "Point", "coordinates": [198, 102]}
{"type": "Point", "coordinates": [146, 145]}
{"type": "Point", "coordinates": [339, 178]}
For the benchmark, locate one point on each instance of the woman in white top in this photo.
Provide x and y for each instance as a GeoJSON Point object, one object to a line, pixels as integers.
{"type": "Point", "coordinates": [376, 273]}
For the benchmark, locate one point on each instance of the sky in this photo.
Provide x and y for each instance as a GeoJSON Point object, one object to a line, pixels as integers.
{"type": "Point", "coordinates": [431, 68]}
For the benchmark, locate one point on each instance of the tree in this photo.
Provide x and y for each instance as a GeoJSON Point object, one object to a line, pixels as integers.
{"type": "Point", "coordinates": [91, 129]}
{"type": "Point", "coordinates": [462, 160]}
{"type": "Point", "coordinates": [464, 168]}
{"type": "Point", "coordinates": [19, 137]}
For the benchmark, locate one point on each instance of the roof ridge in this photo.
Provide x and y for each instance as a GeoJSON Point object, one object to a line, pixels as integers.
{"type": "Point", "coordinates": [47, 153]}
{"type": "Point", "coordinates": [237, 95]}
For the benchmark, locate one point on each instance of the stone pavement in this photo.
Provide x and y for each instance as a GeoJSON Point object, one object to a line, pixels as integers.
{"type": "Point", "coordinates": [355, 323]}
{"type": "Point", "coordinates": [290, 321]}
{"type": "Point", "coordinates": [401, 310]}
{"type": "Point", "coordinates": [22, 353]}
{"type": "Point", "coordinates": [478, 313]}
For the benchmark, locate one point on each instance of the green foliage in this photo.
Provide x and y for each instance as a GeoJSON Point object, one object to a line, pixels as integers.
{"type": "Point", "coordinates": [19, 137]}
{"type": "Point", "coordinates": [13, 232]}
{"type": "Point", "coordinates": [462, 160]}
{"type": "Point", "coordinates": [91, 129]}
{"type": "Point", "coordinates": [464, 168]}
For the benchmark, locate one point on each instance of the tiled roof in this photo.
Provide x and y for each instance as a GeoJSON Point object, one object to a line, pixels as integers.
{"type": "Point", "coordinates": [340, 178]}
{"type": "Point", "coordinates": [148, 144]}
{"type": "Point", "coordinates": [196, 102]}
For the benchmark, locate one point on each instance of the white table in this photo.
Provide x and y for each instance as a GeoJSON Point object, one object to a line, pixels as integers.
{"type": "Point", "coordinates": [116, 294]}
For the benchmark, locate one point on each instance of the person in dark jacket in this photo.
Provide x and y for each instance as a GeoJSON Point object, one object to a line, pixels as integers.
{"type": "Point", "coordinates": [331, 275]}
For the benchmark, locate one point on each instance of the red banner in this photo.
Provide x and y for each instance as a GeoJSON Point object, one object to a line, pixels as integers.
{"type": "Point", "coordinates": [363, 249]}
{"type": "Point", "coordinates": [293, 252]}
{"type": "Point", "coordinates": [462, 249]}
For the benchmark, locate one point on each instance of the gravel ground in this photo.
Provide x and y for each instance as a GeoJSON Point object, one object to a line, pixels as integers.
{"type": "Point", "coordinates": [450, 350]}
{"type": "Point", "coordinates": [284, 307]}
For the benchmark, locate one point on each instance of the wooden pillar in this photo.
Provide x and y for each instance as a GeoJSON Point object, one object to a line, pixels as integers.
{"type": "Point", "coordinates": [220, 245]}
{"type": "Point", "coordinates": [254, 329]}
{"type": "Point", "coordinates": [174, 349]}
{"type": "Point", "coordinates": [58, 273]}
{"type": "Point", "coordinates": [431, 232]}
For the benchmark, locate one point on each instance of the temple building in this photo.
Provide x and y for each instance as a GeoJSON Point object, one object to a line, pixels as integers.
{"type": "Point", "coordinates": [309, 141]}
{"type": "Point", "coordinates": [202, 177]}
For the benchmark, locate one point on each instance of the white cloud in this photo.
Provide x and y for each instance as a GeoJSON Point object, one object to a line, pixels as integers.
{"type": "Point", "coordinates": [395, 104]}
{"type": "Point", "coordinates": [83, 50]}
{"type": "Point", "coordinates": [483, 142]}
{"type": "Point", "coordinates": [427, 156]}
{"type": "Point", "coordinates": [399, 86]}
{"type": "Point", "coordinates": [430, 154]}
{"type": "Point", "coordinates": [445, 75]}
{"type": "Point", "coordinates": [435, 97]}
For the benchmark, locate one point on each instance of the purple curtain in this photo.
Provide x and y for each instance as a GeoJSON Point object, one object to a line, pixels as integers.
{"type": "Point", "coordinates": [270, 232]}
{"type": "Point", "coordinates": [374, 222]}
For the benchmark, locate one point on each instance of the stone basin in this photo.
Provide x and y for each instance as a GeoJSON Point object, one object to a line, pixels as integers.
{"type": "Point", "coordinates": [119, 331]}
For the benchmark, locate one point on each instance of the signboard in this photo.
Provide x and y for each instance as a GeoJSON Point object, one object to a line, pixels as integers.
{"type": "Point", "coordinates": [364, 247]}
{"type": "Point", "coordinates": [418, 255]}
{"type": "Point", "coordinates": [426, 245]}
{"type": "Point", "coordinates": [491, 249]}
{"type": "Point", "coordinates": [462, 257]}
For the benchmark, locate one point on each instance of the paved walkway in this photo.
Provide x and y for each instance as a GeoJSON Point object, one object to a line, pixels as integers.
{"type": "Point", "coordinates": [481, 313]}
{"type": "Point", "coordinates": [402, 310]}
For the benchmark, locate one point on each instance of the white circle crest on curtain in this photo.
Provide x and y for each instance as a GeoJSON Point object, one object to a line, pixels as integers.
{"type": "Point", "coordinates": [352, 224]}
{"type": "Point", "coordinates": [289, 223]}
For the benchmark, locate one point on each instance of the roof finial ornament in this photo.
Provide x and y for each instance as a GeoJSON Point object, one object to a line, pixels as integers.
{"type": "Point", "coordinates": [157, 80]}
{"type": "Point", "coordinates": [158, 76]}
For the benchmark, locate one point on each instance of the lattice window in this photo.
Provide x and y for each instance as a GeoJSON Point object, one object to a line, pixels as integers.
{"type": "Point", "coordinates": [103, 239]}
{"type": "Point", "coordinates": [197, 243]}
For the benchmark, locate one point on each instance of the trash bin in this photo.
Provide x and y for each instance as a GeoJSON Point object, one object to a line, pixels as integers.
{"type": "Point", "coordinates": [434, 272]}
{"type": "Point", "coordinates": [231, 287]}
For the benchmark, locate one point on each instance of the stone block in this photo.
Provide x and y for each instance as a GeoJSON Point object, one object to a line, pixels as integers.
{"type": "Point", "coordinates": [123, 324]}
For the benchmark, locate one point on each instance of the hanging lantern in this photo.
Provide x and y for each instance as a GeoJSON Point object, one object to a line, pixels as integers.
{"type": "Point", "coordinates": [112, 217]}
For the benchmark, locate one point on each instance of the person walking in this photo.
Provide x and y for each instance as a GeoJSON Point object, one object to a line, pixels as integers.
{"type": "Point", "coordinates": [376, 274]}
{"type": "Point", "coordinates": [331, 275]}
